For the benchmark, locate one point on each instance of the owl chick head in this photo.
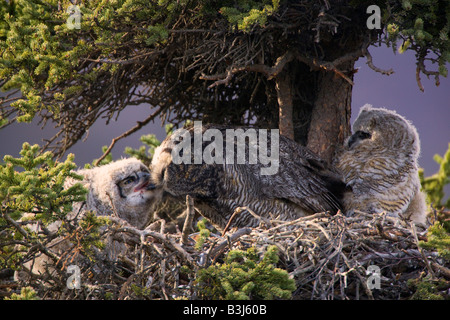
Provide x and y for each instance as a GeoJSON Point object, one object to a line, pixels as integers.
{"type": "Point", "coordinates": [383, 128]}
{"type": "Point", "coordinates": [122, 187]}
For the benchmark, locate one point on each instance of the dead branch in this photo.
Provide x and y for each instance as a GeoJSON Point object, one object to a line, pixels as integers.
{"type": "Point", "coordinates": [232, 238]}
{"type": "Point", "coordinates": [269, 72]}
{"type": "Point", "coordinates": [421, 69]}
{"type": "Point", "coordinates": [187, 227]}
{"type": "Point", "coordinates": [369, 62]}
{"type": "Point", "coordinates": [328, 256]}
{"type": "Point", "coordinates": [138, 126]}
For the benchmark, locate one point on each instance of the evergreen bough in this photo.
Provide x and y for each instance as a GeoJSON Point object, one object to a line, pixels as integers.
{"type": "Point", "coordinates": [32, 192]}
{"type": "Point", "coordinates": [439, 239]}
{"type": "Point", "coordinates": [439, 232]}
{"type": "Point", "coordinates": [26, 293]}
{"type": "Point", "coordinates": [243, 276]}
{"type": "Point", "coordinates": [166, 53]}
{"type": "Point", "coordinates": [434, 185]}
{"type": "Point", "coordinates": [38, 186]}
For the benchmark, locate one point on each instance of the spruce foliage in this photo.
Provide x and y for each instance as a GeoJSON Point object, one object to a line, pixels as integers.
{"type": "Point", "coordinates": [438, 235]}
{"type": "Point", "coordinates": [439, 239]}
{"type": "Point", "coordinates": [130, 52]}
{"type": "Point", "coordinates": [35, 203]}
{"type": "Point", "coordinates": [244, 275]}
{"type": "Point", "coordinates": [35, 184]}
{"type": "Point", "coordinates": [434, 185]}
{"type": "Point", "coordinates": [26, 293]}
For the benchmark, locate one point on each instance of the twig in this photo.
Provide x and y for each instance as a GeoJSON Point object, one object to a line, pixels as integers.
{"type": "Point", "coordinates": [362, 279]}
{"type": "Point", "coordinates": [269, 72]}
{"type": "Point", "coordinates": [239, 210]}
{"type": "Point", "coordinates": [421, 68]}
{"type": "Point", "coordinates": [138, 126]}
{"type": "Point", "coordinates": [24, 233]}
{"type": "Point", "coordinates": [369, 62]}
{"type": "Point", "coordinates": [232, 238]}
{"type": "Point", "coordinates": [169, 242]}
{"type": "Point", "coordinates": [425, 259]}
{"type": "Point", "coordinates": [299, 220]}
{"type": "Point", "coordinates": [132, 60]}
{"type": "Point", "coordinates": [236, 212]}
{"type": "Point", "coordinates": [187, 227]}
{"type": "Point", "coordinates": [445, 271]}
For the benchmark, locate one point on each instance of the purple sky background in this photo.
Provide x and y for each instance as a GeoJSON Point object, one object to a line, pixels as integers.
{"type": "Point", "coordinates": [429, 111]}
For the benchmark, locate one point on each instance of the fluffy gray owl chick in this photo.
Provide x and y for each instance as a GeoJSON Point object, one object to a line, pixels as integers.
{"type": "Point", "coordinates": [122, 187]}
{"type": "Point", "coordinates": [302, 184]}
{"type": "Point", "coordinates": [379, 163]}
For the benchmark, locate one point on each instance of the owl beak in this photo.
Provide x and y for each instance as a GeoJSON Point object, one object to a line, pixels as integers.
{"type": "Point", "coordinates": [351, 141]}
{"type": "Point", "coordinates": [145, 184]}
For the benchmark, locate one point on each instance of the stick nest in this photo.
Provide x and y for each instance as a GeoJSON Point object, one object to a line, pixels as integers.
{"type": "Point", "coordinates": [332, 257]}
{"type": "Point", "coordinates": [329, 257]}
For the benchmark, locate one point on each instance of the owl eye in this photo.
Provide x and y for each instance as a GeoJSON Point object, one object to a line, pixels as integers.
{"type": "Point", "coordinates": [358, 136]}
{"type": "Point", "coordinates": [128, 180]}
{"type": "Point", "coordinates": [364, 135]}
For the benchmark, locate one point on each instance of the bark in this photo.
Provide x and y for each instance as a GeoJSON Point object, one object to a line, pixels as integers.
{"type": "Point", "coordinates": [284, 88]}
{"type": "Point", "coordinates": [330, 118]}
{"type": "Point", "coordinates": [323, 122]}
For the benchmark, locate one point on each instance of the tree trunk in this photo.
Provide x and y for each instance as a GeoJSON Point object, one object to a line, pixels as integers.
{"type": "Point", "coordinates": [321, 120]}
{"type": "Point", "coordinates": [284, 88]}
{"type": "Point", "coordinates": [330, 118]}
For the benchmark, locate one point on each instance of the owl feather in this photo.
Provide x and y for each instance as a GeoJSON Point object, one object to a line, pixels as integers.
{"type": "Point", "coordinates": [379, 163]}
{"type": "Point", "coordinates": [303, 183]}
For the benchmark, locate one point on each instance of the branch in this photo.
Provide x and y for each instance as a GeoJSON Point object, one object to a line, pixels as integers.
{"type": "Point", "coordinates": [222, 78]}
{"type": "Point", "coordinates": [189, 218]}
{"type": "Point", "coordinates": [25, 234]}
{"type": "Point", "coordinates": [168, 241]}
{"type": "Point", "coordinates": [329, 66]}
{"type": "Point", "coordinates": [285, 103]}
{"type": "Point", "coordinates": [123, 62]}
{"type": "Point", "coordinates": [138, 126]}
{"type": "Point", "coordinates": [421, 68]}
{"type": "Point", "coordinates": [445, 271]}
{"type": "Point", "coordinates": [269, 72]}
{"type": "Point", "coordinates": [239, 210]}
{"type": "Point", "coordinates": [372, 66]}
{"type": "Point", "coordinates": [235, 236]}
{"type": "Point", "coordinates": [272, 72]}
{"type": "Point", "coordinates": [427, 263]}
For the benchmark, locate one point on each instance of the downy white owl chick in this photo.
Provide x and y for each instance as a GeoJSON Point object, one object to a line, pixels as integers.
{"type": "Point", "coordinates": [301, 183]}
{"type": "Point", "coordinates": [121, 188]}
{"type": "Point", "coordinates": [379, 163]}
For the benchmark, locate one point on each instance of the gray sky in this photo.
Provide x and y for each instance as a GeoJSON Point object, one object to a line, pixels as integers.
{"type": "Point", "coordinates": [429, 111]}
